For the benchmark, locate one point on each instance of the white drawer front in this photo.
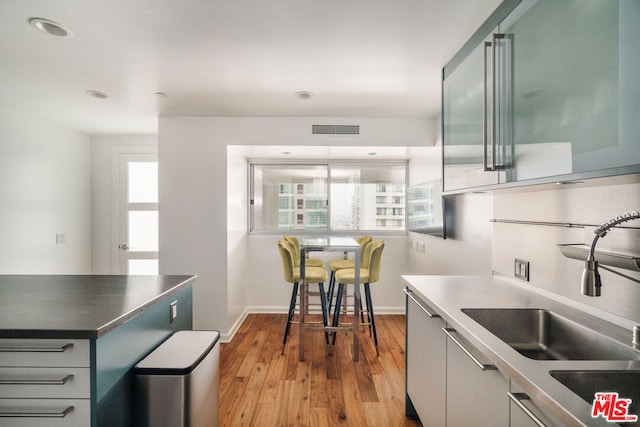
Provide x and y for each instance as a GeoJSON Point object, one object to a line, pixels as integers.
{"type": "Point", "coordinates": [45, 413]}
{"type": "Point", "coordinates": [43, 352]}
{"type": "Point", "coordinates": [45, 382]}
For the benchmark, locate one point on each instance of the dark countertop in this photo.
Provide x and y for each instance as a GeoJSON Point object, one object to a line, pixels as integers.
{"type": "Point", "coordinates": [448, 295]}
{"type": "Point", "coordinates": [77, 306]}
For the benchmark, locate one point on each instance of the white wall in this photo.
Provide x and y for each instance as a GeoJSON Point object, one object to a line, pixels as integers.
{"type": "Point", "coordinates": [44, 190]}
{"type": "Point", "coordinates": [467, 249]}
{"type": "Point", "coordinates": [102, 169]}
{"type": "Point", "coordinates": [549, 269]}
{"type": "Point", "coordinates": [238, 253]}
{"type": "Point", "coordinates": [202, 208]}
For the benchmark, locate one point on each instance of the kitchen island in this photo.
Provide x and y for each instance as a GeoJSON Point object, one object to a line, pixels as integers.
{"type": "Point", "coordinates": [68, 343]}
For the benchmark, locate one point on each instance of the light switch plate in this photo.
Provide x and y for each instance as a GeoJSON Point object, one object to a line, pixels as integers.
{"type": "Point", "coordinates": [521, 269]}
{"type": "Point", "coordinates": [173, 311]}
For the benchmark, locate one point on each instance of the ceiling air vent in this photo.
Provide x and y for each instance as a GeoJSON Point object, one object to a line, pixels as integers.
{"type": "Point", "coordinates": [335, 129]}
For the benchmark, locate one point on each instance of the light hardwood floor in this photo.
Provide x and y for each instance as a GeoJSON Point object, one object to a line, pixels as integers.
{"type": "Point", "coordinates": [261, 387]}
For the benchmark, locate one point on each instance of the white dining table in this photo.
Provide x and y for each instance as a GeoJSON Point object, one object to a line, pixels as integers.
{"type": "Point", "coordinates": [332, 244]}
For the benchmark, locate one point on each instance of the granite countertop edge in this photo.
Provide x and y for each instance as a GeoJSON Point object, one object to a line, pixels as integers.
{"type": "Point", "coordinates": [95, 332]}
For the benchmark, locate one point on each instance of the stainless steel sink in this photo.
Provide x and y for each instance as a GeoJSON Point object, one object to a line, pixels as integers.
{"type": "Point", "coordinates": [587, 383]}
{"type": "Point", "coordinates": [544, 335]}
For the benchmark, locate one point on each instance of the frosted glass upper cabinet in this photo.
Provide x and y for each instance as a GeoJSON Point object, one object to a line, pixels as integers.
{"type": "Point", "coordinates": [576, 86]}
{"type": "Point", "coordinates": [465, 113]}
{"type": "Point", "coordinates": [476, 110]}
{"type": "Point", "coordinates": [560, 95]}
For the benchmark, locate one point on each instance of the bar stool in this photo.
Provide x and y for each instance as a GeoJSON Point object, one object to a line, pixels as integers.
{"type": "Point", "coordinates": [292, 275]}
{"type": "Point", "coordinates": [339, 264]}
{"type": "Point", "coordinates": [308, 262]}
{"type": "Point", "coordinates": [368, 275]}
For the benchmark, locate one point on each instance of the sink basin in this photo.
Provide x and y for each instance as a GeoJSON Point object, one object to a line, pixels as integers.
{"type": "Point", "coordinates": [587, 383]}
{"type": "Point", "coordinates": [544, 335]}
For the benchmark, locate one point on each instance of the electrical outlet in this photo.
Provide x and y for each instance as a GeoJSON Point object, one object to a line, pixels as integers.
{"type": "Point", "coordinates": [60, 238]}
{"type": "Point", "coordinates": [410, 243]}
{"type": "Point", "coordinates": [521, 269]}
{"type": "Point", "coordinates": [173, 311]}
{"type": "Point", "coordinates": [420, 247]}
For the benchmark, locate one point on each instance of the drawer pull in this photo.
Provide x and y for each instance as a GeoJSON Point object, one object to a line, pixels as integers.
{"type": "Point", "coordinates": [517, 398]}
{"type": "Point", "coordinates": [45, 413]}
{"type": "Point", "coordinates": [36, 381]}
{"type": "Point", "coordinates": [428, 313]}
{"type": "Point", "coordinates": [482, 366]}
{"type": "Point", "coordinates": [19, 349]}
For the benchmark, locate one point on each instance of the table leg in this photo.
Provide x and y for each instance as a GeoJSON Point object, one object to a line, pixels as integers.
{"type": "Point", "coordinates": [303, 308]}
{"type": "Point", "coordinates": [356, 308]}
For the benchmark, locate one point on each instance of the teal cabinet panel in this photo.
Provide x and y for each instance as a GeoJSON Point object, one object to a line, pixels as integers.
{"type": "Point", "coordinates": [117, 352]}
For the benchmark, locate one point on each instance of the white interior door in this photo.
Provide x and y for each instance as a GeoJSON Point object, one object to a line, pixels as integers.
{"type": "Point", "coordinates": [137, 214]}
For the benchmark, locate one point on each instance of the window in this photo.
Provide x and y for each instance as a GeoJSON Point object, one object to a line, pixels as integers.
{"type": "Point", "coordinates": [336, 196]}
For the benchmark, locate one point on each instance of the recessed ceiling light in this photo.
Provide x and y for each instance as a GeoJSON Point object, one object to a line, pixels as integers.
{"type": "Point", "coordinates": [97, 94]}
{"type": "Point", "coordinates": [286, 153]}
{"type": "Point", "coordinates": [161, 94]}
{"type": "Point", "coordinates": [373, 153]}
{"type": "Point", "coordinates": [303, 94]}
{"type": "Point", "coordinates": [50, 27]}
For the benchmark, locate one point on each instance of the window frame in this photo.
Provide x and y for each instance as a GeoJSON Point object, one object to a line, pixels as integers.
{"type": "Point", "coordinates": [329, 164]}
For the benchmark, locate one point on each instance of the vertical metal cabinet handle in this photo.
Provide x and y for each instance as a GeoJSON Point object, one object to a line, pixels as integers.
{"type": "Point", "coordinates": [35, 381]}
{"type": "Point", "coordinates": [37, 414]}
{"type": "Point", "coordinates": [494, 103]}
{"type": "Point", "coordinates": [517, 398]}
{"type": "Point", "coordinates": [18, 349]}
{"type": "Point", "coordinates": [409, 292]}
{"type": "Point", "coordinates": [485, 121]}
{"type": "Point", "coordinates": [482, 366]}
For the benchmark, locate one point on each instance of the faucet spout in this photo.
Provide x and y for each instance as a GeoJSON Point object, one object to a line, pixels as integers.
{"type": "Point", "coordinates": [591, 283]}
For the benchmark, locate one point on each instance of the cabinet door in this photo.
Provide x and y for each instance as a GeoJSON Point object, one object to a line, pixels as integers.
{"type": "Point", "coordinates": [466, 113]}
{"type": "Point", "coordinates": [523, 412]}
{"type": "Point", "coordinates": [475, 397]}
{"type": "Point", "coordinates": [575, 86]}
{"type": "Point", "coordinates": [426, 360]}
{"type": "Point", "coordinates": [45, 412]}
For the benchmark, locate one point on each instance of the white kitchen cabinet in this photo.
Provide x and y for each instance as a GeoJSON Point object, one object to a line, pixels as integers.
{"type": "Point", "coordinates": [524, 412]}
{"type": "Point", "coordinates": [45, 382]}
{"type": "Point", "coordinates": [476, 390]}
{"type": "Point", "coordinates": [426, 362]}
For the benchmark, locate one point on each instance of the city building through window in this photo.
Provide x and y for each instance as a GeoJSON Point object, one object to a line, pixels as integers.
{"type": "Point", "coordinates": [328, 197]}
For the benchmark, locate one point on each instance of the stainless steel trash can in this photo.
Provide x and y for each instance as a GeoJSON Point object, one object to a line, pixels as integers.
{"type": "Point", "coordinates": [177, 384]}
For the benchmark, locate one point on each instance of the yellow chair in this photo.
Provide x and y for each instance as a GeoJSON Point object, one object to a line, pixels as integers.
{"type": "Point", "coordinates": [308, 262]}
{"type": "Point", "coordinates": [339, 264]}
{"type": "Point", "coordinates": [292, 275]}
{"type": "Point", "coordinates": [368, 275]}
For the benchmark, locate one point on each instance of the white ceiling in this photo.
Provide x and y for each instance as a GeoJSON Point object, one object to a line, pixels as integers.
{"type": "Point", "coordinates": [359, 58]}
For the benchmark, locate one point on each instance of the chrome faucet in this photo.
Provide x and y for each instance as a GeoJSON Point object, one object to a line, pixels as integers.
{"type": "Point", "coordinates": [591, 282]}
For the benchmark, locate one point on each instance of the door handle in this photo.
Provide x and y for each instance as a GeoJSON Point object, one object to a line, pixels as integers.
{"type": "Point", "coordinates": [124, 247]}
{"type": "Point", "coordinates": [490, 125]}
{"type": "Point", "coordinates": [485, 108]}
